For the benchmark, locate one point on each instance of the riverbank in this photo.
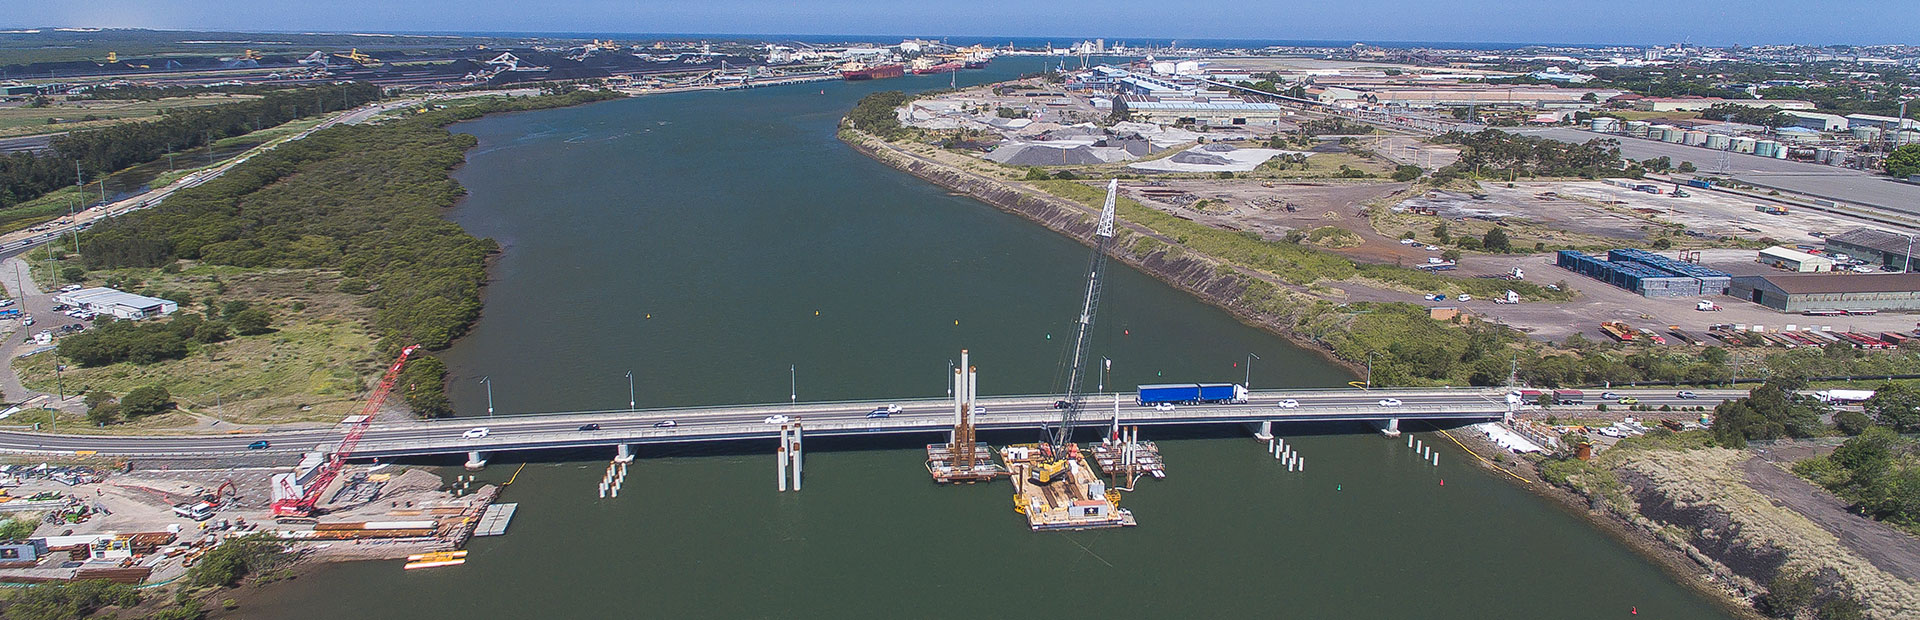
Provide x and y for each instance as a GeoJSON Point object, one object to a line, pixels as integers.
{"type": "Point", "coordinates": [1261, 301]}
{"type": "Point", "coordinates": [1728, 573]}
{"type": "Point", "coordinates": [1704, 516]}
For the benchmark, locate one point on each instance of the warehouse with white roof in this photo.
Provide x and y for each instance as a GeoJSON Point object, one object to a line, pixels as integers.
{"type": "Point", "coordinates": [120, 304]}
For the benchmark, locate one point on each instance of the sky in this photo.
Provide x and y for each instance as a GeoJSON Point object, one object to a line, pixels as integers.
{"type": "Point", "coordinates": [1640, 22]}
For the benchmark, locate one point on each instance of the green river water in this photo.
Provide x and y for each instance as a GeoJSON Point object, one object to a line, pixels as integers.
{"type": "Point", "coordinates": [693, 238]}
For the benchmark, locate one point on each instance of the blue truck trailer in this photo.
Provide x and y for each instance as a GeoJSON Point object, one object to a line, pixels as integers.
{"type": "Point", "coordinates": [1191, 393]}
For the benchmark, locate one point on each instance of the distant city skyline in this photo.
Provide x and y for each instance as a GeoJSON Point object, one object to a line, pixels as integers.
{"type": "Point", "coordinates": [1626, 22]}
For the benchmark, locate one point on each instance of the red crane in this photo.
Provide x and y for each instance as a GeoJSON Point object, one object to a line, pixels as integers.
{"type": "Point", "coordinates": [303, 507]}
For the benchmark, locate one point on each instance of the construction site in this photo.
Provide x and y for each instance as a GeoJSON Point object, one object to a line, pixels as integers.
{"type": "Point", "coordinates": [109, 520]}
{"type": "Point", "coordinates": [1054, 486]}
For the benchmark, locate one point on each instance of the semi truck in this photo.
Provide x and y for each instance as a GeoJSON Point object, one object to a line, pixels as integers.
{"type": "Point", "coordinates": [1191, 393]}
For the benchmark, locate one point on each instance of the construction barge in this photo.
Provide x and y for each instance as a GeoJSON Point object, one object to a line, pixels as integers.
{"type": "Point", "coordinates": [1124, 456]}
{"type": "Point", "coordinates": [1074, 498]}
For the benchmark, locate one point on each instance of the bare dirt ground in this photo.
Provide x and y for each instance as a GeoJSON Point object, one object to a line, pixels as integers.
{"type": "Point", "coordinates": [1273, 208]}
{"type": "Point", "coordinates": [1885, 546]}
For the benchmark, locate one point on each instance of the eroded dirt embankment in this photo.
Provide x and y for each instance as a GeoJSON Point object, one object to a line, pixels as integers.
{"type": "Point", "coordinates": [1256, 300]}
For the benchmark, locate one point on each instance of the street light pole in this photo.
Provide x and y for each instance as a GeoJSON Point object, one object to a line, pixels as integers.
{"type": "Point", "coordinates": [1248, 381]}
{"type": "Point", "coordinates": [631, 402]}
{"type": "Point", "coordinates": [793, 385]}
{"type": "Point", "coordinates": [488, 381]}
{"type": "Point", "coordinates": [1369, 370]}
{"type": "Point", "coordinates": [949, 378]}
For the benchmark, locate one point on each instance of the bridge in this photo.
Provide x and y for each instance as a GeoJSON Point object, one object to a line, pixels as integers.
{"type": "Point", "coordinates": [621, 430]}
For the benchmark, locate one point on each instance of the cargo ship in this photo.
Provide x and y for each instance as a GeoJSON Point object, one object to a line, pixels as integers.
{"type": "Point", "coordinates": [874, 72]}
{"type": "Point", "coordinates": [945, 67]}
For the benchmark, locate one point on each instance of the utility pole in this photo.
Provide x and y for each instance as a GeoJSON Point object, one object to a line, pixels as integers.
{"type": "Point", "coordinates": [488, 381]}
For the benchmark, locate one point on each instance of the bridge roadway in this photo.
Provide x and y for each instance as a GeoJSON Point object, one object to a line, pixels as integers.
{"type": "Point", "coordinates": [620, 427]}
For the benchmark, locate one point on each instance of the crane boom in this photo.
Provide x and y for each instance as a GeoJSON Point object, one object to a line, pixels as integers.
{"type": "Point", "coordinates": [1083, 331]}
{"type": "Point", "coordinates": [303, 506]}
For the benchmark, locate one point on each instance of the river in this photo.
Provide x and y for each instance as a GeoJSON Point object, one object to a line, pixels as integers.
{"type": "Point", "coordinates": [721, 245]}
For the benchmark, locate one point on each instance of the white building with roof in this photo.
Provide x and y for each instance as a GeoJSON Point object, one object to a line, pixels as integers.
{"type": "Point", "coordinates": [120, 304]}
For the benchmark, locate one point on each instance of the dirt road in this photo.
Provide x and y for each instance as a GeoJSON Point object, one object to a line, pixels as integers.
{"type": "Point", "coordinates": [1888, 548]}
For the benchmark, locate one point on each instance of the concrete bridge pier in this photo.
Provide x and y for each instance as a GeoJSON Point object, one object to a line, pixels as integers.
{"type": "Point", "coordinates": [1390, 428]}
{"type": "Point", "coordinates": [1266, 431]}
{"type": "Point", "coordinates": [476, 460]}
{"type": "Point", "coordinates": [625, 455]}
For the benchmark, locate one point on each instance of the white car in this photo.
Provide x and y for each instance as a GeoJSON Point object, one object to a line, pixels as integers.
{"type": "Point", "coordinates": [1289, 404]}
{"type": "Point", "coordinates": [475, 433]}
{"type": "Point", "coordinates": [1163, 407]}
{"type": "Point", "coordinates": [1465, 297]}
{"type": "Point", "coordinates": [1433, 248]}
{"type": "Point", "coordinates": [777, 419]}
{"type": "Point", "coordinates": [1389, 402]}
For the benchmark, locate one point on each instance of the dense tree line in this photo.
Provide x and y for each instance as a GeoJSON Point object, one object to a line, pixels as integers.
{"type": "Point", "coordinates": [112, 341]}
{"type": "Point", "coordinates": [1771, 411]}
{"type": "Point", "coordinates": [874, 113]}
{"type": "Point", "coordinates": [1497, 152]}
{"type": "Point", "coordinates": [25, 176]}
{"type": "Point", "coordinates": [68, 601]}
{"type": "Point", "coordinates": [1877, 472]}
{"type": "Point", "coordinates": [364, 200]}
{"type": "Point", "coordinates": [1769, 116]}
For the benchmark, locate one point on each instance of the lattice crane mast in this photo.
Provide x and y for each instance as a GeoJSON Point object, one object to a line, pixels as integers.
{"type": "Point", "coordinates": [1083, 333]}
{"type": "Point", "coordinates": [303, 506]}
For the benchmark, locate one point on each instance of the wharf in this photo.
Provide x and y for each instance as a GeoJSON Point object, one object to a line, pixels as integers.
{"type": "Point", "coordinates": [1113, 458]}
{"type": "Point", "coordinates": [1077, 500]}
{"type": "Point", "coordinates": [494, 522]}
{"type": "Point", "coordinates": [940, 464]}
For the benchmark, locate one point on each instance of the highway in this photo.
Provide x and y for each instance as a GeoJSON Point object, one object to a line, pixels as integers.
{"type": "Point", "coordinates": [564, 430]}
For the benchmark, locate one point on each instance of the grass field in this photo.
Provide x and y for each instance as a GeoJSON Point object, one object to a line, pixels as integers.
{"type": "Point", "coordinates": [313, 367]}
{"type": "Point", "coordinates": [25, 121]}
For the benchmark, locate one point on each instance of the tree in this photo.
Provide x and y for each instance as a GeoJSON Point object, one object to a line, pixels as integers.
{"type": "Point", "coordinates": [1896, 406]}
{"type": "Point", "coordinates": [424, 381]}
{"type": "Point", "coordinates": [252, 321]}
{"type": "Point", "coordinates": [1407, 173]}
{"type": "Point", "coordinates": [17, 529]}
{"type": "Point", "coordinates": [1440, 232]}
{"type": "Point", "coordinates": [73, 274]}
{"type": "Point", "coordinates": [1453, 255]}
{"type": "Point", "coordinates": [104, 414]}
{"type": "Point", "coordinates": [1904, 162]}
{"type": "Point", "coordinates": [146, 400]}
{"type": "Point", "coordinates": [1496, 240]}
{"type": "Point", "coordinates": [1662, 243]}
{"type": "Point", "coordinates": [1687, 166]}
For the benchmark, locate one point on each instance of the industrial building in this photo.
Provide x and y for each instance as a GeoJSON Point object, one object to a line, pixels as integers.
{"type": "Point", "coordinates": [1209, 112]}
{"type": "Point", "coordinates": [1794, 260]}
{"type": "Point", "coordinates": [1818, 121]}
{"type": "Point", "coordinates": [1801, 292]}
{"type": "Point", "coordinates": [1646, 273]}
{"type": "Point", "coordinates": [121, 305]}
{"type": "Point", "coordinates": [1889, 250]}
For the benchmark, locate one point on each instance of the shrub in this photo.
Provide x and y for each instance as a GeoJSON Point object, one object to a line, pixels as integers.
{"type": "Point", "coordinates": [146, 400]}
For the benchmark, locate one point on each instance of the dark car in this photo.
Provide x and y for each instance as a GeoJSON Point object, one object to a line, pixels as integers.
{"type": "Point", "coordinates": [260, 445]}
{"type": "Point", "coordinates": [1061, 404]}
{"type": "Point", "coordinates": [589, 427]}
